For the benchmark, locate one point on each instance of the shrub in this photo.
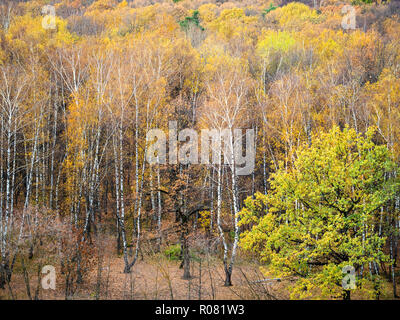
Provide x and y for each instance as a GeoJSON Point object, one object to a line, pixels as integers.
{"type": "Point", "coordinates": [173, 252]}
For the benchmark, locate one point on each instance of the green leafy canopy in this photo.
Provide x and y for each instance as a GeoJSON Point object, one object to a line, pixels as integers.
{"type": "Point", "coordinates": [321, 214]}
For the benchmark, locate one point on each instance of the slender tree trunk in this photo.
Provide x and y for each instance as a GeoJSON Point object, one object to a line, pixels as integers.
{"type": "Point", "coordinates": [219, 223]}
{"type": "Point", "coordinates": [159, 207]}
{"type": "Point", "coordinates": [346, 295]}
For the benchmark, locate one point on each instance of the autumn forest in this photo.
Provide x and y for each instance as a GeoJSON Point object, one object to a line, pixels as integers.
{"type": "Point", "coordinates": [305, 93]}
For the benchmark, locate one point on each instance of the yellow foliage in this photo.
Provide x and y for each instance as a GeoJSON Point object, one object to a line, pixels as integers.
{"type": "Point", "coordinates": [232, 22]}
{"type": "Point", "coordinates": [207, 12]}
{"type": "Point", "coordinates": [275, 41]}
{"type": "Point", "coordinates": [204, 219]}
{"type": "Point", "coordinates": [27, 30]}
{"type": "Point", "coordinates": [295, 14]}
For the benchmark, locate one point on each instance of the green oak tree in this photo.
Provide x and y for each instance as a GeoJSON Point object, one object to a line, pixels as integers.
{"type": "Point", "coordinates": [322, 214]}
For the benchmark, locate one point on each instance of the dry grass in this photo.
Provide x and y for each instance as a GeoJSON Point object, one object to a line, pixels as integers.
{"type": "Point", "coordinates": [157, 278]}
